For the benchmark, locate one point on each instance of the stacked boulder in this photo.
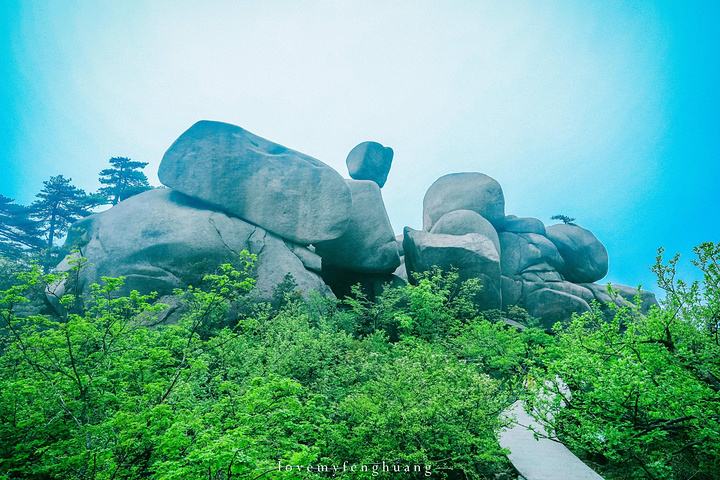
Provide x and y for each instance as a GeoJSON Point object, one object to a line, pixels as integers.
{"type": "Point", "coordinates": [548, 271]}
{"type": "Point", "coordinates": [230, 190]}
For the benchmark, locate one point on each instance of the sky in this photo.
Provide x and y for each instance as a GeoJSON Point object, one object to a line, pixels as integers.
{"type": "Point", "coordinates": [608, 112]}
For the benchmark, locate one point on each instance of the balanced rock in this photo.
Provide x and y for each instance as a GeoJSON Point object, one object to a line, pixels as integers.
{"type": "Point", "coordinates": [524, 225]}
{"type": "Point", "coordinates": [586, 258]}
{"type": "Point", "coordinates": [368, 245]}
{"type": "Point", "coordinates": [462, 222]}
{"type": "Point", "coordinates": [474, 256]}
{"type": "Point", "coordinates": [521, 251]}
{"type": "Point", "coordinates": [370, 161]}
{"type": "Point", "coordinates": [464, 191]}
{"type": "Point", "coordinates": [286, 192]}
{"type": "Point", "coordinates": [161, 240]}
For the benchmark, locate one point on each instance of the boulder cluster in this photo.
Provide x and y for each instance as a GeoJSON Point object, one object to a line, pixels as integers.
{"type": "Point", "coordinates": [230, 190]}
{"type": "Point", "coordinates": [550, 271]}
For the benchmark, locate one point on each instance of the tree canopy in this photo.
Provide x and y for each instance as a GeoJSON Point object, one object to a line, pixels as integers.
{"type": "Point", "coordinates": [18, 232]}
{"type": "Point", "coordinates": [59, 204]}
{"type": "Point", "coordinates": [122, 180]}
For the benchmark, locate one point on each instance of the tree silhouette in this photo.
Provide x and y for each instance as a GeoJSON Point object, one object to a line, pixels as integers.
{"type": "Point", "coordinates": [123, 180]}
{"type": "Point", "coordinates": [18, 232]}
{"type": "Point", "coordinates": [565, 219]}
{"type": "Point", "coordinates": [59, 204]}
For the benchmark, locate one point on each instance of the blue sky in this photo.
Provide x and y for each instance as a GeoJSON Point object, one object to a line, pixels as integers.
{"type": "Point", "coordinates": [604, 111]}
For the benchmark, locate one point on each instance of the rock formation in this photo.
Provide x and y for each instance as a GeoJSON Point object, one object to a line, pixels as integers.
{"type": "Point", "coordinates": [161, 240]}
{"type": "Point", "coordinates": [286, 192]}
{"type": "Point", "coordinates": [370, 161]}
{"type": "Point", "coordinates": [231, 190]}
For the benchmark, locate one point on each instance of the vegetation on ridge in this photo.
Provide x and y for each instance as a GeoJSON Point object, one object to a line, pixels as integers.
{"type": "Point", "coordinates": [419, 377]}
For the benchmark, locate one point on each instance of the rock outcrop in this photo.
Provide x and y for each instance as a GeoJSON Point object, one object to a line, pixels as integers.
{"type": "Point", "coordinates": [286, 192]}
{"type": "Point", "coordinates": [231, 190]}
{"type": "Point", "coordinates": [161, 240]}
{"type": "Point", "coordinates": [473, 255]}
{"type": "Point", "coordinates": [370, 161]}
{"type": "Point", "coordinates": [368, 244]}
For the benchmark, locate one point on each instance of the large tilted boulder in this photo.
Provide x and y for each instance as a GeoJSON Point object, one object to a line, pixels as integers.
{"type": "Point", "coordinates": [161, 240]}
{"type": "Point", "coordinates": [474, 256]}
{"type": "Point", "coordinates": [464, 191]}
{"type": "Point", "coordinates": [519, 252]}
{"type": "Point", "coordinates": [586, 258]}
{"type": "Point", "coordinates": [368, 244]}
{"type": "Point", "coordinates": [286, 192]}
{"type": "Point", "coordinates": [370, 161]}
{"type": "Point", "coordinates": [462, 222]}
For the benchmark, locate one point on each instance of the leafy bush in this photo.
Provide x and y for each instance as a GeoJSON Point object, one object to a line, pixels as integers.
{"type": "Point", "coordinates": [644, 391]}
{"type": "Point", "coordinates": [102, 392]}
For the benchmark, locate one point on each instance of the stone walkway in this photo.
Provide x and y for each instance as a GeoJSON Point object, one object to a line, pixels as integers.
{"type": "Point", "coordinates": [541, 459]}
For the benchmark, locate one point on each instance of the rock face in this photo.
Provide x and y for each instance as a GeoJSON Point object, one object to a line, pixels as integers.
{"type": "Point", "coordinates": [286, 192]}
{"type": "Point", "coordinates": [464, 191]}
{"type": "Point", "coordinates": [462, 222]}
{"type": "Point", "coordinates": [524, 225]}
{"type": "Point", "coordinates": [161, 240]}
{"type": "Point", "coordinates": [586, 259]}
{"type": "Point", "coordinates": [474, 256]}
{"type": "Point", "coordinates": [552, 306]}
{"type": "Point", "coordinates": [370, 161]}
{"type": "Point", "coordinates": [368, 245]}
{"type": "Point", "coordinates": [520, 252]}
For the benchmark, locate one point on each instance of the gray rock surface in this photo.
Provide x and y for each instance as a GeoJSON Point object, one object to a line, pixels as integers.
{"type": "Point", "coordinates": [512, 290]}
{"type": "Point", "coordinates": [368, 245]}
{"type": "Point", "coordinates": [540, 459]}
{"type": "Point", "coordinates": [464, 191]}
{"type": "Point", "coordinates": [586, 258]}
{"type": "Point", "coordinates": [473, 255]}
{"type": "Point", "coordinates": [552, 306]}
{"type": "Point", "coordinates": [286, 192]}
{"type": "Point", "coordinates": [161, 240]}
{"type": "Point", "coordinates": [462, 222]}
{"type": "Point", "coordinates": [399, 240]}
{"type": "Point", "coordinates": [370, 161]}
{"type": "Point", "coordinates": [524, 225]}
{"type": "Point", "coordinates": [310, 259]}
{"type": "Point", "coordinates": [521, 251]}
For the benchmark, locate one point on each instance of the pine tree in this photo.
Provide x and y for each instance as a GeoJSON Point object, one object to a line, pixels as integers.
{"type": "Point", "coordinates": [123, 180]}
{"type": "Point", "coordinates": [18, 232]}
{"type": "Point", "coordinates": [58, 206]}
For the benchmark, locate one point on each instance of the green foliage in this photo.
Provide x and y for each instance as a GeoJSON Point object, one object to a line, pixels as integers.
{"type": "Point", "coordinates": [58, 205]}
{"type": "Point", "coordinates": [122, 180]}
{"type": "Point", "coordinates": [644, 391]}
{"type": "Point", "coordinates": [435, 307]}
{"type": "Point", "coordinates": [101, 393]}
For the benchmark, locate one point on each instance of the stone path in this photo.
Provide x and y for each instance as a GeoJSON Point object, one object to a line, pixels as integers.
{"type": "Point", "coordinates": [541, 459]}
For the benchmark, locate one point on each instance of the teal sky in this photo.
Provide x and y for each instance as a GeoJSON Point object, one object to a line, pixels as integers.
{"type": "Point", "coordinates": [605, 111]}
